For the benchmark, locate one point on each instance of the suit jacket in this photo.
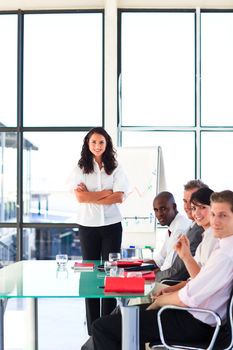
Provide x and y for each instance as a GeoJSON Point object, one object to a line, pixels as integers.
{"type": "Point", "coordinates": [178, 270]}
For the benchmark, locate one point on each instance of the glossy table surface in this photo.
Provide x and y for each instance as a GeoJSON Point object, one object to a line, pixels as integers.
{"type": "Point", "coordinates": [41, 278]}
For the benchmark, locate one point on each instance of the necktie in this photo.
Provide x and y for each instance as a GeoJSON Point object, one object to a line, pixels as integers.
{"type": "Point", "coordinates": [169, 233]}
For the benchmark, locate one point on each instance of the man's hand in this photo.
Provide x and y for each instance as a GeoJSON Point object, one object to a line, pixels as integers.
{"type": "Point", "coordinates": [153, 306]}
{"type": "Point", "coordinates": [166, 299]}
{"type": "Point", "coordinates": [166, 290]}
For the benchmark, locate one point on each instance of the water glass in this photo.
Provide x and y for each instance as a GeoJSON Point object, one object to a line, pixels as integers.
{"type": "Point", "coordinates": [107, 267]}
{"type": "Point", "coordinates": [131, 253]}
{"type": "Point", "coordinates": [114, 257]}
{"type": "Point", "coordinates": [113, 271]}
{"type": "Point", "coordinates": [62, 274]}
{"type": "Point", "coordinates": [61, 260]}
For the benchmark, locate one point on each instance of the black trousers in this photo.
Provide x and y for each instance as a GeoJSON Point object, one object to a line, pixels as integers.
{"type": "Point", "coordinates": [96, 244]}
{"type": "Point", "coordinates": [179, 326]}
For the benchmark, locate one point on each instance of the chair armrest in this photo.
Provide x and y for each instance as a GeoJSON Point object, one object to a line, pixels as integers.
{"type": "Point", "coordinates": [170, 282]}
{"type": "Point", "coordinates": [161, 332]}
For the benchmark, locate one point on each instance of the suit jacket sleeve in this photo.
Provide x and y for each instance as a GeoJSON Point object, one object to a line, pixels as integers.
{"type": "Point", "coordinates": [178, 270]}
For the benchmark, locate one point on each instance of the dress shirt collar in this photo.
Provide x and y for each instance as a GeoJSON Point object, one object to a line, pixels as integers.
{"type": "Point", "coordinates": [226, 243]}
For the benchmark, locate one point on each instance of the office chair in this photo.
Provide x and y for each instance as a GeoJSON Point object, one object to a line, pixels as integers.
{"type": "Point", "coordinates": [222, 338]}
{"type": "Point", "coordinates": [170, 281]}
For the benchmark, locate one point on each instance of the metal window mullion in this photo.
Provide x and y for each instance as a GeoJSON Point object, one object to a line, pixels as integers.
{"type": "Point", "coordinates": [19, 237]}
{"type": "Point", "coordinates": [198, 94]}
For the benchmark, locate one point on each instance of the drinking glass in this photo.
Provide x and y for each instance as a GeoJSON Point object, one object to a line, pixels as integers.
{"type": "Point", "coordinates": [62, 274]}
{"type": "Point", "coordinates": [61, 260]}
{"type": "Point", "coordinates": [131, 253]}
{"type": "Point", "coordinates": [114, 257]}
{"type": "Point", "coordinates": [107, 267]}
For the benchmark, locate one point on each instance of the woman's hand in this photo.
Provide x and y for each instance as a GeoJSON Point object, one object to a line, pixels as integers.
{"type": "Point", "coordinates": [182, 247]}
{"type": "Point", "coordinates": [81, 187]}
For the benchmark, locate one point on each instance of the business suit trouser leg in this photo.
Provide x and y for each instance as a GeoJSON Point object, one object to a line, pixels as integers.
{"type": "Point", "coordinates": [96, 244]}
{"type": "Point", "coordinates": [179, 325]}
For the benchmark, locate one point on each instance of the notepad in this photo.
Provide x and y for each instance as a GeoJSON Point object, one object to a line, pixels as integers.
{"type": "Point", "coordinates": [124, 284]}
{"type": "Point", "coordinates": [83, 266]}
{"type": "Point", "coordinates": [147, 275]}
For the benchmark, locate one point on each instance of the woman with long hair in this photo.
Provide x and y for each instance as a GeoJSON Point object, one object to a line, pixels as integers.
{"type": "Point", "coordinates": [100, 186]}
{"type": "Point", "coordinates": [200, 206]}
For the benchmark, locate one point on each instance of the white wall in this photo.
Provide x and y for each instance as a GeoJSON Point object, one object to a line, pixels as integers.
{"type": "Point", "coordinates": [73, 4]}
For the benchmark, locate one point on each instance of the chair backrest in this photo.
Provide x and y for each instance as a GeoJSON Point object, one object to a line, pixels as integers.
{"type": "Point", "coordinates": [225, 338]}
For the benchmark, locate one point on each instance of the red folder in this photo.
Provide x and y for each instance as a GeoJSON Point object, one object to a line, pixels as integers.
{"type": "Point", "coordinates": [124, 285]}
{"type": "Point", "coordinates": [148, 275]}
{"type": "Point", "coordinates": [127, 263]}
{"type": "Point", "coordinates": [83, 265]}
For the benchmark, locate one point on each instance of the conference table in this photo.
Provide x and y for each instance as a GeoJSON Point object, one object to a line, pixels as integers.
{"type": "Point", "coordinates": [34, 279]}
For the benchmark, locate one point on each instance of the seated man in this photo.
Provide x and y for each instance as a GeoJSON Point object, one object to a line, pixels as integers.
{"type": "Point", "coordinates": [167, 214]}
{"type": "Point", "coordinates": [214, 295]}
{"type": "Point", "coordinates": [178, 270]}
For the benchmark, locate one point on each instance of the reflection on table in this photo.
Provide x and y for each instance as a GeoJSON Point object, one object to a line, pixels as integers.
{"type": "Point", "coordinates": [34, 279]}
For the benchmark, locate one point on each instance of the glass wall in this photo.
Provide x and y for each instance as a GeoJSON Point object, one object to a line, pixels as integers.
{"type": "Point", "coordinates": [63, 69]}
{"type": "Point", "coordinates": [175, 77]}
{"type": "Point", "coordinates": [157, 69]}
{"type": "Point", "coordinates": [47, 191]}
{"type": "Point", "coordinates": [8, 70]}
{"type": "Point", "coordinates": [216, 69]}
{"type": "Point", "coordinates": [51, 68]}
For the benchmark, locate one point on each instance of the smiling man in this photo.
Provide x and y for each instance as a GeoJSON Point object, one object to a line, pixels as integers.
{"type": "Point", "coordinates": [209, 289]}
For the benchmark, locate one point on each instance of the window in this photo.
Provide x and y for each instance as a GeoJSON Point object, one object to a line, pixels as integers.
{"type": "Point", "coordinates": [51, 67]}
{"type": "Point", "coordinates": [157, 68]}
{"type": "Point", "coordinates": [8, 70]}
{"type": "Point", "coordinates": [216, 69]}
{"type": "Point", "coordinates": [48, 163]}
{"type": "Point", "coordinates": [175, 84]}
{"type": "Point", "coordinates": [215, 160]}
{"type": "Point", "coordinates": [63, 70]}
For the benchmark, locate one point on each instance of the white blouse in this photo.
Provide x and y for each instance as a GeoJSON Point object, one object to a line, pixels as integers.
{"type": "Point", "coordinates": [206, 247]}
{"type": "Point", "coordinates": [90, 214]}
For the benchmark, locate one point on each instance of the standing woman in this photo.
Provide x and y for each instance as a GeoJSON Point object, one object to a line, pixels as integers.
{"type": "Point", "coordinates": [101, 185]}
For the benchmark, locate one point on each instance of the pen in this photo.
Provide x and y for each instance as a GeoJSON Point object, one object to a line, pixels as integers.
{"type": "Point", "coordinates": [100, 286]}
